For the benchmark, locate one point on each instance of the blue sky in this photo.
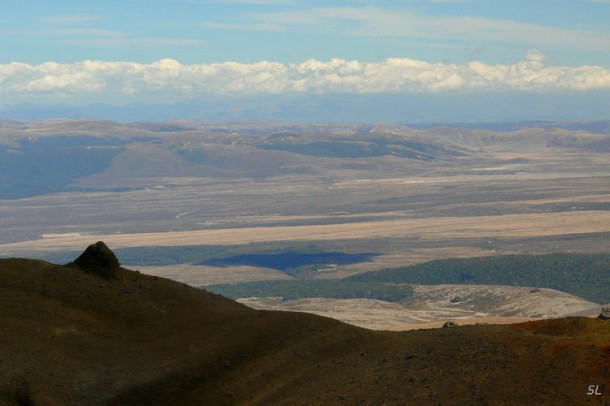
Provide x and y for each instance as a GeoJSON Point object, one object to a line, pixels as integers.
{"type": "Point", "coordinates": [173, 50]}
{"type": "Point", "coordinates": [567, 32]}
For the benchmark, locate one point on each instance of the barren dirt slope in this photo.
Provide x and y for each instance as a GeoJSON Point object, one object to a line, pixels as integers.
{"type": "Point", "coordinates": [94, 333]}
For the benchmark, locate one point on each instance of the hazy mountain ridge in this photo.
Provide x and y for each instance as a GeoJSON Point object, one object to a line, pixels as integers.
{"type": "Point", "coordinates": [472, 107]}
{"type": "Point", "coordinates": [221, 352]}
{"type": "Point", "coordinates": [51, 156]}
{"type": "Point", "coordinates": [594, 127]}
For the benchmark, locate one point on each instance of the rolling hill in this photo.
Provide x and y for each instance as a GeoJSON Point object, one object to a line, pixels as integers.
{"type": "Point", "coordinates": [92, 332]}
{"type": "Point", "coordinates": [41, 157]}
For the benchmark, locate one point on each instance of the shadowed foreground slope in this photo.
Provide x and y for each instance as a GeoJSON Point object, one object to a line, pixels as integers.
{"type": "Point", "coordinates": [76, 335]}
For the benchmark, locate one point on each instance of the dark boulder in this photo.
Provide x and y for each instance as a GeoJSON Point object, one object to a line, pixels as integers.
{"type": "Point", "coordinates": [98, 259]}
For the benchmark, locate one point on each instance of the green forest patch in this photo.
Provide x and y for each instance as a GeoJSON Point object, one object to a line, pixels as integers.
{"type": "Point", "coordinates": [323, 288]}
{"type": "Point", "coordinates": [583, 275]}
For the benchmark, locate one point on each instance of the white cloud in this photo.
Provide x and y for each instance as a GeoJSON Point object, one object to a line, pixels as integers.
{"type": "Point", "coordinates": [244, 27]}
{"type": "Point", "coordinates": [69, 19]}
{"type": "Point", "coordinates": [84, 32]}
{"type": "Point", "coordinates": [101, 80]}
{"type": "Point", "coordinates": [101, 37]}
{"type": "Point", "coordinates": [376, 22]}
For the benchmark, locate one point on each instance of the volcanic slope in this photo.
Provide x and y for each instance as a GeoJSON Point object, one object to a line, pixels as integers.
{"type": "Point", "coordinates": [94, 333]}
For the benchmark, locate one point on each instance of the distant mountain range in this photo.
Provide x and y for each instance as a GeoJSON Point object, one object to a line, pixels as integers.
{"type": "Point", "coordinates": [349, 108]}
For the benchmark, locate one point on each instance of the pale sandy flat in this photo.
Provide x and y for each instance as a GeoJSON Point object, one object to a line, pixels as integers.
{"type": "Point", "coordinates": [509, 225]}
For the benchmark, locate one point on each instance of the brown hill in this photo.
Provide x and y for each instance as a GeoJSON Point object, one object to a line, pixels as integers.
{"type": "Point", "coordinates": [71, 336]}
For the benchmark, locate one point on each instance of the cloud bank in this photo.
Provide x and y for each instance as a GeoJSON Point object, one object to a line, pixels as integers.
{"type": "Point", "coordinates": [97, 79]}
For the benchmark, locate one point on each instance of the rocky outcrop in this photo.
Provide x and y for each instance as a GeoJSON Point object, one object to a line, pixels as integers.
{"type": "Point", "coordinates": [450, 324]}
{"type": "Point", "coordinates": [605, 314]}
{"type": "Point", "coordinates": [98, 259]}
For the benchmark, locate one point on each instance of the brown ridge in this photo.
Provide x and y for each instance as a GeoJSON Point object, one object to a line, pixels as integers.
{"type": "Point", "coordinates": [70, 337]}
